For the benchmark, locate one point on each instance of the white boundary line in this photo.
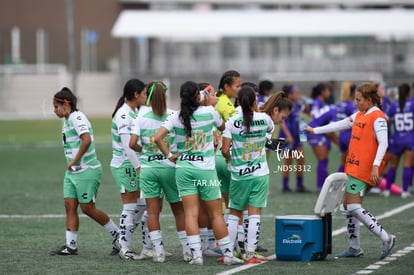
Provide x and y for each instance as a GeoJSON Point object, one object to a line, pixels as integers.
{"type": "Point", "coordinates": [334, 233]}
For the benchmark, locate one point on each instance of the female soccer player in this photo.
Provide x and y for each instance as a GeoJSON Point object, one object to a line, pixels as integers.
{"type": "Point", "coordinates": [125, 164]}
{"type": "Point", "coordinates": [157, 178]}
{"type": "Point", "coordinates": [321, 114]}
{"type": "Point", "coordinates": [246, 134]}
{"type": "Point", "coordinates": [83, 172]}
{"type": "Point", "coordinates": [230, 84]}
{"type": "Point", "coordinates": [196, 176]}
{"type": "Point", "coordinates": [289, 129]}
{"type": "Point", "coordinates": [402, 115]}
{"type": "Point", "coordinates": [364, 164]}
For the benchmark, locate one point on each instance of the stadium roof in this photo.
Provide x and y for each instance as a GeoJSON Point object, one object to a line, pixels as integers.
{"type": "Point", "coordinates": [392, 23]}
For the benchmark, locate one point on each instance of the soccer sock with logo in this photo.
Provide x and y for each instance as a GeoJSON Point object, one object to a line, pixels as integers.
{"type": "Point", "coordinates": [139, 213]}
{"type": "Point", "coordinates": [253, 235]}
{"type": "Point", "coordinates": [368, 220]}
{"type": "Point", "coordinates": [194, 242]}
{"type": "Point", "coordinates": [146, 241]}
{"type": "Point", "coordinates": [182, 236]}
{"type": "Point", "coordinates": [156, 239]}
{"type": "Point", "coordinates": [232, 225]}
{"type": "Point", "coordinates": [71, 239]}
{"type": "Point", "coordinates": [112, 229]}
{"type": "Point", "coordinates": [211, 239]}
{"type": "Point", "coordinates": [353, 226]}
{"type": "Point", "coordinates": [126, 225]}
{"type": "Point", "coordinates": [204, 238]}
{"type": "Point", "coordinates": [226, 246]}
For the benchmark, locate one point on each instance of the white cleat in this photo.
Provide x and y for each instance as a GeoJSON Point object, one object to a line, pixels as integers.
{"type": "Point", "coordinates": [197, 261]}
{"type": "Point", "coordinates": [147, 253]}
{"type": "Point", "coordinates": [187, 256]}
{"type": "Point", "coordinates": [405, 194]}
{"type": "Point", "coordinates": [158, 258]}
{"type": "Point", "coordinates": [232, 260]}
{"type": "Point", "coordinates": [129, 255]}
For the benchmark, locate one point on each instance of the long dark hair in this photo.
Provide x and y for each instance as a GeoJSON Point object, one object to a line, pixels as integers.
{"type": "Point", "coordinates": [246, 98]}
{"type": "Point", "coordinates": [130, 87]}
{"type": "Point", "coordinates": [227, 78]}
{"type": "Point", "coordinates": [66, 95]}
{"type": "Point", "coordinates": [189, 103]}
{"type": "Point", "coordinates": [317, 90]}
{"type": "Point", "coordinates": [403, 94]}
{"type": "Point", "coordinates": [156, 97]}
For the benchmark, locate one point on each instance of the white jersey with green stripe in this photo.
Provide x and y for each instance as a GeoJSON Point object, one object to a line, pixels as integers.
{"type": "Point", "coordinates": [145, 126]}
{"type": "Point", "coordinates": [248, 155]}
{"type": "Point", "coordinates": [121, 125]}
{"type": "Point", "coordinates": [196, 151]}
{"type": "Point", "coordinates": [73, 127]}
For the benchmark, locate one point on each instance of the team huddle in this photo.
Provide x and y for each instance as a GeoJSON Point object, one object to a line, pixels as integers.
{"type": "Point", "coordinates": [203, 156]}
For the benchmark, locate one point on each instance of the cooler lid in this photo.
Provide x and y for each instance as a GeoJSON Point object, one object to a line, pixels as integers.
{"type": "Point", "coordinates": [331, 195]}
{"type": "Point", "coordinates": [298, 217]}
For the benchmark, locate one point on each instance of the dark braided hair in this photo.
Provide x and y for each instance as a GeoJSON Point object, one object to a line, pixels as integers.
{"type": "Point", "coordinates": [189, 103]}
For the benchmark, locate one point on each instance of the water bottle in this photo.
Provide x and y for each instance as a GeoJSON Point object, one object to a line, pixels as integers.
{"type": "Point", "coordinates": [302, 133]}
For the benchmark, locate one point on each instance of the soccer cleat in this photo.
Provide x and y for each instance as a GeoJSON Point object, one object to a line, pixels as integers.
{"type": "Point", "coordinates": [253, 260]}
{"type": "Point", "coordinates": [386, 193]}
{"type": "Point", "coordinates": [350, 252]}
{"type": "Point", "coordinates": [64, 251]}
{"type": "Point", "coordinates": [261, 249]}
{"type": "Point", "coordinates": [158, 258]}
{"type": "Point", "coordinates": [232, 260]}
{"type": "Point", "coordinates": [405, 194]}
{"type": "Point", "coordinates": [211, 253]}
{"type": "Point", "coordinates": [187, 256]}
{"type": "Point", "coordinates": [238, 254]}
{"type": "Point", "coordinates": [116, 247]}
{"type": "Point", "coordinates": [197, 261]}
{"type": "Point", "coordinates": [387, 246]}
{"type": "Point", "coordinates": [167, 254]}
{"type": "Point", "coordinates": [147, 253]}
{"type": "Point", "coordinates": [260, 257]}
{"type": "Point", "coordinates": [129, 255]}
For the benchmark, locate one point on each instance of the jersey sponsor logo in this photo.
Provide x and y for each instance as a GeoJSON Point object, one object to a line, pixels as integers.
{"type": "Point", "coordinates": [239, 123]}
{"type": "Point", "coordinates": [78, 118]}
{"type": "Point", "coordinates": [156, 157]}
{"type": "Point", "coordinates": [249, 169]}
{"type": "Point", "coordinates": [191, 157]}
{"type": "Point", "coordinates": [352, 160]}
{"type": "Point", "coordinates": [360, 125]}
{"type": "Point", "coordinates": [355, 137]}
{"type": "Point", "coordinates": [244, 133]}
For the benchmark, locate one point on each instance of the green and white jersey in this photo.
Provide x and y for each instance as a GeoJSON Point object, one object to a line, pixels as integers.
{"type": "Point", "coordinates": [196, 151]}
{"type": "Point", "coordinates": [73, 127]}
{"type": "Point", "coordinates": [248, 154]}
{"type": "Point", "coordinates": [121, 125]}
{"type": "Point", "coordinates": [145, 126]}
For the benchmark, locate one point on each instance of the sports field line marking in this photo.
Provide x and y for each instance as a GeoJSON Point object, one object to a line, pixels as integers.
{"type": "Point", "coordinates": [334, 233]}
{"type": "Point", "coordinates": [373, 267]}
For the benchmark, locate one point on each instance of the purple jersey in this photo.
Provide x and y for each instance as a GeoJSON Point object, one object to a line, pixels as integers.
{"type": "Point", "coordinates": [345, 109]}
{"type": "Point", "coordinates": [292, 123]}
{"type": "Point", "coordinates": [403, 122]}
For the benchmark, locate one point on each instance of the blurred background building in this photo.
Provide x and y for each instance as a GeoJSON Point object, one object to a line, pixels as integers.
{"type": "Point", "coordinates": [93, 46]}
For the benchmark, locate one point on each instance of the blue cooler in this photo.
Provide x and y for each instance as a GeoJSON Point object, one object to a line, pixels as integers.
{"type": "Point", "coordinates": [309, 237]}
{"type": "Point", "coordinates": [299, 237]}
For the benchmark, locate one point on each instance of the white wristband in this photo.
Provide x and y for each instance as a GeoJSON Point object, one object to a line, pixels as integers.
{"type": "Point", "coordinates": [169, 155]}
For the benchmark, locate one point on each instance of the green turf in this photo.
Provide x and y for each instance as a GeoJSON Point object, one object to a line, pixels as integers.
{"type": "Point", "coordinates": [32, 167]}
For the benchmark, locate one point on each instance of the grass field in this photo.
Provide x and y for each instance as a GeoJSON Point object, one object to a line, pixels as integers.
{"type": "Point", "coordinates": [32, 216]}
